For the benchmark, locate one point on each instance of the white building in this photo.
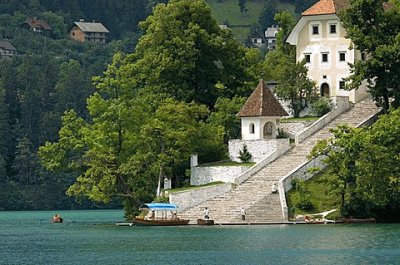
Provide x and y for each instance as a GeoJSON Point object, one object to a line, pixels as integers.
{"type": "Point", "coordinates": [270, 37]}
{"type": "Point", "coordinates": [320, 40]}
{"type": "Point", "coordinates": [260, 114]}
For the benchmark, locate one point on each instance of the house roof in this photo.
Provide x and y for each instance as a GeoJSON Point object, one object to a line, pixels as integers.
{"type": "Point", "coordinates": [91, 27]}
{"type": "Point", "coordinates": [326, 7]}
{"type": "Point", "coordinates": [6, 45]}
{"type": "Point", "coordinates": [261, 103]}
{"type": "Point", "coordinates": [271, 32]}
{"type": "Point", "coordinates": [35, 23]}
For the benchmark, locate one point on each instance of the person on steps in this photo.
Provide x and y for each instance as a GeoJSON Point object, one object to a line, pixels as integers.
{"type": "Point", "coordinates": [206, 214]}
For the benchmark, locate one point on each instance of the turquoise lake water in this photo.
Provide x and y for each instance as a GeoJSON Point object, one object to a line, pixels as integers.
{"type": "Point", "coordinates": [91, 237]}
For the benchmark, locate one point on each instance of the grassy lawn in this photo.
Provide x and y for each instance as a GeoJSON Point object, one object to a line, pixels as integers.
{"type": "Point", "coordinates": [195, 187]}
{"type": "Point", "coordinates": [228, 11]}
{"type": "Point", "coordinates": [320, 196]}
{"type": "Point", "coordinates": [308, 118]}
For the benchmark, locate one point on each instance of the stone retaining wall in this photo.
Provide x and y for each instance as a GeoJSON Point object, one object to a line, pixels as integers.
{"type": "Point", "coordinates": [259, 149]}
{"type": "Point", "coordinates": [203, 175]}
{"type": "Point", "coordinates": [187, 199]}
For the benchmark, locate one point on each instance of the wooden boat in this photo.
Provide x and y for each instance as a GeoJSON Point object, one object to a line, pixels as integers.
{"type": "Point", "coordinates": [160, 222]}
{"type": "Point", "coordinates": [205, 222]}
{"type": "Point", "coordinates": [358, 220]}
{"type": "Point", "coordinates": [161, 214]}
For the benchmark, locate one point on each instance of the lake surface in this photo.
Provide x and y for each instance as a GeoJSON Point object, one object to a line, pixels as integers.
{"type": "Point", "coordinates": [91, 237]}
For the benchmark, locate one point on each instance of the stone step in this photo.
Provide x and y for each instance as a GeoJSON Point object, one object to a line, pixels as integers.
{"type": "Point", "coordinates": [254, 194]}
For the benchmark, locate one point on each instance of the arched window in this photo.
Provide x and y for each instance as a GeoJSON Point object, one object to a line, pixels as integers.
{"type": "Point", "coordinates": [251, 128]}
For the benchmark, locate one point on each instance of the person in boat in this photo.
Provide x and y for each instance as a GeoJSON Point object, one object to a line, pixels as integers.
{"type": "Point", "coordinates": [57, 218]}
{"type": "Point", "coordinates": [206, 214]}
{"type": "Point", "coordinates": [274, 188]}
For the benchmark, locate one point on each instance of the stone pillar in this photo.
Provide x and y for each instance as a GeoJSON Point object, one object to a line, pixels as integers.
{"type": "Point", "coordinates": [193, 160]}
{"type": "Point", "coordinates": [167, 184]}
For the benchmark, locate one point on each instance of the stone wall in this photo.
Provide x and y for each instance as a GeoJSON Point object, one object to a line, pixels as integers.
{"type": "Point", "coordinates": [203, 175]}
{"type": "Point", "coordinates": [293, 128]}
{"type": "Point", "coordinates": [189, 198]}
{"type": "Point", "coordinates": [257, 148]}
{"type": "Point", "coordinates": [341, 104]}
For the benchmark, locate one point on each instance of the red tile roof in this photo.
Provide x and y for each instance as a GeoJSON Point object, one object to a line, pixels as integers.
{"type": "Point", "coordinates": [325, 7]}
{"type": "Point", "coordinates": [262, 102]}
{"type": "Point", "coordinates": [37, 23]}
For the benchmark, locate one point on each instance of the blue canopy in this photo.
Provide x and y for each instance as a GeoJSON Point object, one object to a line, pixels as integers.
{"type": "Point", "coordinates": [158, 207]}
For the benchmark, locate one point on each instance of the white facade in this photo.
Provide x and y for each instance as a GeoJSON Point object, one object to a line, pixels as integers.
{"type": "Point", "coordinates": [256, 128]}
{"type": "Point", "coordinates": [320, 40]}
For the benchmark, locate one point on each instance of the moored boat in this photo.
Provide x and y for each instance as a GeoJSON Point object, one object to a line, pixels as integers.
{"type": "Point", "coordinates": [358, 220]}
{"type": "Point", "coordinates": [159, 214]}
{"type": "Point", "coordinates": [205, 222]}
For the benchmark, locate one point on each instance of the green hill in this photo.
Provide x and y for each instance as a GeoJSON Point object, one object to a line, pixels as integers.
{"type": "Point", "coordinates": [228, 12]}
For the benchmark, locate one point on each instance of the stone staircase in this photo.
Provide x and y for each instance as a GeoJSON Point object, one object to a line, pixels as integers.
{"type": "Point", "coordinates": [255, 195]}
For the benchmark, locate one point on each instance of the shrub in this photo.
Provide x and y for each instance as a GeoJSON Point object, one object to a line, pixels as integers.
{"type": "Point", "coordinates": [282, 134]}
{"type": "Point", "coordinates": [321, 106]}
{"type": "Point", "coordinates": [244, 155]}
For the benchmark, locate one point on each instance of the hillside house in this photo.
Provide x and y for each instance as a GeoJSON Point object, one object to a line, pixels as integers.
{"type": "Point", "coordinates": [270, 37]}
{"type": "Point", "coordinates": [89, 31]}
{"type": "Point", "coordinates": [266, 39]}
{"type": "Point", "coordinates": [257, 40]}
{"type": "Point", "coordinates": [36, 25]}
{"type": "Point", "coordinates": [321, 41]}
{"type": "Point", "coordinates": [7, 49]}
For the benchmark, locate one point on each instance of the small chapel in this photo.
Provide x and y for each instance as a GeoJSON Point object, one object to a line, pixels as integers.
{"type": "Point", "coordinates": [260, 119]}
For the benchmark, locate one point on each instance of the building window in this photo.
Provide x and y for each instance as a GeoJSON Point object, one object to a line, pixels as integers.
{"type": "Point", "coordinates": [332, 28]}
{"type": "Point", "coordinates": [324, 57]}
{"type": "Point", "coordinates": [342, 56]}
{"type": "Point", "coordinates": [251, 128]}
{"type": "Point", "coordinates": [363, 56]}
{"type": "Point", "coordinates": [315, 30]}
{"type": "Point", "coordinates": [342, 84]}
{"type": "Point", "coordinates": [307, 57]}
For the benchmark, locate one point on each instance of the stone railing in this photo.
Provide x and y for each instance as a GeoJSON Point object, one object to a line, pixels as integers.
{"type": "Point", "coordinates": [189, 198]}
{"type": "Point", "coordinates": [303, 172]}
{"type": "Point", "coordinates": [341, 105]}
{"type": "Point", "coordinates": [283, 147]}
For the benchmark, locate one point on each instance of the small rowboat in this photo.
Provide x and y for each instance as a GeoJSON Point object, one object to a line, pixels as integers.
{"type": "Point", "coordinates": [205, 222]}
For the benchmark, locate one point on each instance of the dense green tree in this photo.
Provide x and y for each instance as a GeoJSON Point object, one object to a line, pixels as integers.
{"type": "Point", "coordinates": [374, 26]}
{"type": "Point", "coordinates": [267, 15]}
{"type": "Point", "coordinates": [184, 53]}
{"type": "Point", "coordinates": [242, 6]}
{"type": "Point", "coordinates": [224, 115]}
{"type": "Point", "coordinates": [25, 163]}
{"type": "Point", "coordinates": [72, 89]}
{"type": "Point", "coordinates": [365, 167]}
{"type": "Point", "coordinates": [295, 87]}
{"type": "Point", "coordinates": [4, 132]}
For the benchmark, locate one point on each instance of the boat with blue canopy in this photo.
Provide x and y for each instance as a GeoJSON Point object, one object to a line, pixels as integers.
{"type": "Point", "coordinates": [159, 214]}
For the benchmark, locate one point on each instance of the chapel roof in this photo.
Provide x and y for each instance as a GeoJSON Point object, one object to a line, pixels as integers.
{"type": "Point", "coordinates": [262, 102]}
